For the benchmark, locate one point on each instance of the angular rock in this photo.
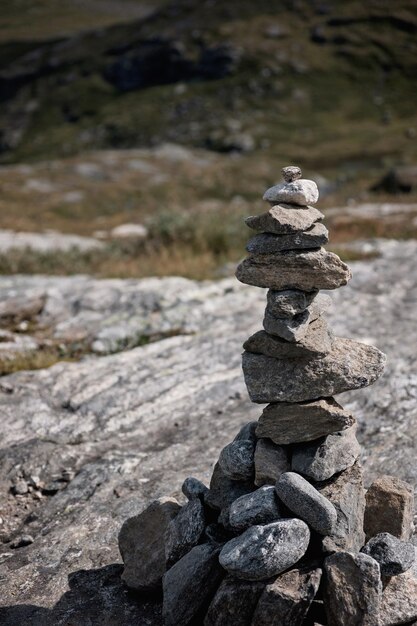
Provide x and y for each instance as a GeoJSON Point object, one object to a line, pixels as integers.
{"type": "Point", "coordinates": [265, 551]}
{"type": "Point", "coordinates": [293, 269]}
{"type": "Point", "coordinates": [283, 219]}
{"type": "Point", "coordinates": [399, 598]}
{"type": "Point", "coordinates": [346, 492]}
{"type": "Point", "coordinates": [301, 192]}
{"type": "Point", "coordinates": [289, 302]}
{"type": "Point", "coordinates": [287, 423]}
{"type": "Point", "coordinates": [190, 584]}
{"type": "Point", "coordinates": [286, 601]}
{"type": "Point", "coordinates": [306, 502]}
{"type": "Point", "coordinates": [223, 491]}
{"type": "Point", "coordinates": [321, 459]}
{"type": "Point", "coordinates": [259, 507]}
{"type": "Point", "coordinates": [295, 328]}
{"type": "Point", "coordinates": [353, 592]}
{"type": "Point", "coordinates": [142, 546]}
{"type": "Point", "coordinates": [269, 243]}
{"type": "Point", "coordinates": [270, 462]}
{"type": "Point", "coordinates": [193, 488]}
{"type": "Point", "coordinates": [389, 508]}
{"type": "Point", "coordinates": [393, 555]}
{"type": "Point", "coordinates": [234, 603]}
{"type": "Point", "coordinates": [317, 342]}
{"type": "Point", "coordinates": [350, 365]}
{"type": "Point", "coordinates": [184, 531]}
{"type": "Point", "coordinates": [237, 459]}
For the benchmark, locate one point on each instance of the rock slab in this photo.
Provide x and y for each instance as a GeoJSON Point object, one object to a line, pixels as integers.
{"type": "Point", "coordinates": [284, 219]}
{"type": "Point", "coordinates": [268, 243]}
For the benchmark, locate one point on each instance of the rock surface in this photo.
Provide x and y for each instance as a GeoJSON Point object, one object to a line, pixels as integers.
{"type": "Point", "coordinates": [389, 508]}
{"type": "Point", "coordinates": [284, 219]}
{"type": "Point", "coordinates": [267, 243]}
{"type": "Point", "coordinates": [393, 555]}
{"type": "Point", "coordinates": [270, 462]}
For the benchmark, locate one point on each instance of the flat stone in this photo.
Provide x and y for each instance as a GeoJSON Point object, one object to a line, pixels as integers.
{"type": "Point", "coordinates": [317, 342]}
{"type": "Point", "coordinates": [190, 584]}
{"type": "Point", "coordinates": [306, 502]}
{"type": "Point", "coordinates": [346, 492]}
{"type": "Point", "coordinates": [237, 459]}
{"type": "Point", "coordinates": [270, 462]}
{"type": "Point", "coordinates": [268, 243]}
{"type": "Point", "coordinates": [184, 531]}
{"type": "Point", "coordinates": [399, 598]}
{"type": "Point", "coordinates": [353, 591]}
{"type": "Point", "coordinates": [350, 365]}
{"type": "Point", "coordinates": [332, 454]}
{"type": "Point", "coordinates": [289, 302]}
{"type": "Point", "coordinates": [265, 551]}
{"type": "Point", "coordinates": [301, 192]}
{"type": "Point", "coordinates": [389, 508]}
{"type": "Point", "coordinates": [293, 269]}
{"type": "Point", "coordinates": [234, 603]}
{"type": "Point", "coordinates": [142, 544]}
{"type": "Point", "coordinates": [223, 491]}
{"type": "Point", "coordinates": [259, 507]}
{"type": "Point", "coordinates": [193, 488]}
{"type": "Point", "coordinates": [286, 601]}
{"type": "Point", "coordinates": [284, 219]}
{"type": "Point", "coordinates": [393, 555]}
{"type": "Point", "coordinates": [295, 328]}
{"type": "Point", "coordinates": [287, 423]}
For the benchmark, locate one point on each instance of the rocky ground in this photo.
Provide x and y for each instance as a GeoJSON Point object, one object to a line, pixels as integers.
{"type": "Point", "coordinates": [86, 445]}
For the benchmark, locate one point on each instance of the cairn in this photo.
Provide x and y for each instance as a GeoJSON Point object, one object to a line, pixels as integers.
{"type": "Point", "coordinates": [285, 535]}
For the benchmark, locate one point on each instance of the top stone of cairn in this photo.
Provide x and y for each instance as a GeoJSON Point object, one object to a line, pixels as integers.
{"type": "Point", "coordinates": [295, 190]}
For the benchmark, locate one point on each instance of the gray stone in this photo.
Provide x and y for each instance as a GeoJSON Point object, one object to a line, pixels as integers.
{"type": "Point", "coordinates": [399, 598]}
{"type": "Point", "coordinates": [289, 302]}
{"type": "Point", "coordinates": [293, 269]}
{"type": "Point", "coordinates": [291, 173]}
{"type": "Point", "coordinates": [306, 502]}
{"type": "Point", "coordinates": [353, 590]}
{"type": "Point", "coordinates": [142, 545]}
{"type": "Point", "coordinates": [259, 507]}
{"type": "Point", "coordinates": [193, 488]}
{"type": "Point", "coordinates": [301, 192]}
{"type": "Point", "coordinates": [350, 365]}
{"type": "Point", "coordinates": [346, 492]}
{"type": "Point", "coordinates": [190, 584]}
{"type": "Point", "coordinates": [389, 508]}
{"type": "Point", "coordinates": [270, 462]}
{"type": "Point", "coordinates": [393, 555]}
{"type": "Point", "coordinates": [295, 328]}
{"type": "Point", "coordinates": [237, 459]}
{"type": "Point", "coordinates": [286, 601]}
{"type": "Point", "coordinates": [247, 432]}
{"type": "Point", "coordinates": [284, 219]}
{"type": "Point", "coordinates": [332, 454]}
{"type": "Point", "coordinates": [287, 423]}
{"type": "Point", "coordinates": [234, 603]}
{"type": "Point", "coordinates": [223, 491]}
{"type": "Point", "coordinates": [317, 342]}
{"type": "Point", "coordinates": [184, 531]}
{"type": "Point", "coordinates": [268, 243]}
{"type": "Point", "coordinates": [265, 551]}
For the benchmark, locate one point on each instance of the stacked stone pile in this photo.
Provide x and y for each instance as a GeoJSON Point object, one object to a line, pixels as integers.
{"type": "Point", "coordinates": [286, 535]}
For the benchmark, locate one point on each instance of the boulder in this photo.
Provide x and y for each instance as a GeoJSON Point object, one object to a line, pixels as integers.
{"type": "Point", "coordinates": [301, 192]}
{"type": "Point", "coordinates": [393, 555]}
{"type": "Point", "coordinates": [184, 531]}
{"type": "Point", "coordinates": [270, 462]}
{"type": "Point", "coordinates": [389, 508]}
{"type": "Point", "coordinates": [269, 243]}
{"type": "Point", "coordinates": [234, 603]}
{"type": "Point", "coordinates": [259, 507]}
{"type": "Point", "coordinates": [283, 219]}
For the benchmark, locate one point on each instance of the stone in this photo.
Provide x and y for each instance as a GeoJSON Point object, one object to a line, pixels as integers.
{"type": "Point", "coordinates": [295, 328]}
{"type": "Point", "coordinates": [353, 591]}
{"type": "Point", "coordinates": [268, 243]}
{"type": "Point", "coordinates": [306, 502]}
{"type": "Point", "coordinates": [237, 459]}
{"type": "Point", "coordinates": [317, 342]}
{"type": "Point", "coordinates": [265, 551]}
{"type": "Point", "coordinates": [301, 192]}
{"type": "Point", "coordinates": [346, 492]}
{"type": "Point", "coordinates": [216, 534]}
{"type": "Point", "coordinates": [234, 603]}
{"type": "Point", "coordinates": [284, 219]}
{"type": "Point", "coordinates": [287, 423]}
{"type": "Point", "coordinates": [389, 508]}
{"type": "Point", "coordinates": [184, 531]}
{"type": "Point", "coordinates": [247, 432]}
{"type": "Point", "coordinates": [320, 460]}
{"type": "Point", "coordinates": [291, 173]}
{"type": "Point", "coordinates": [223, 491]}
{"type": "Point", "coordinates": [129, 231]}
{"type": "Point", "coordinates": [286, 600]}
{"type": "Point", "coordinates": [294, 269]}
{"type": "Point", "coordinates": [393, 555]}
{"type": "Point", "coordinates": [193, 488]}
{"type": "Point", "coordinates": [259, 507]}
{"type": "Point", "coordinates": [289, 302]}
{"type": "Point", "coordinates": [270, 462]}
{"type": "Point", "coordinates": [350, 365]}
{"type": "Point", "coordinates": [188, 587]}
{"type": "Point", "coordinates": [142, 545]}
{"type": "Point", "coordinates": [399, 598]}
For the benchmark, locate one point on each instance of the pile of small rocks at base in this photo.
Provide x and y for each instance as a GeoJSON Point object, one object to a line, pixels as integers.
{"type": "Point", "coordinates": [285, 535]}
